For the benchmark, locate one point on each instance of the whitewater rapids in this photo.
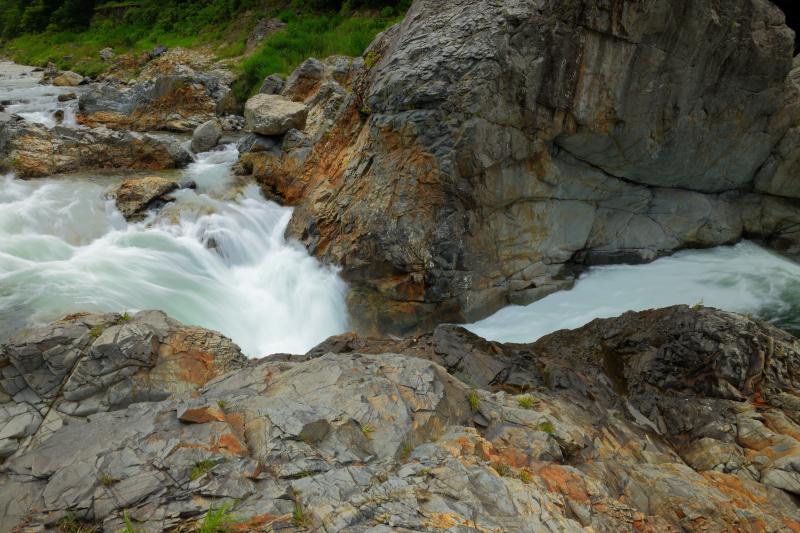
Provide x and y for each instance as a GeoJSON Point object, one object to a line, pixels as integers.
{"type": "Point", "coordinates": [222, 264]}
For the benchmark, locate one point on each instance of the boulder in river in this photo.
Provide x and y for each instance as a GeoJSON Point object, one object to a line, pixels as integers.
{"type": "Point", "coordinates": [270, 114]}
{"type": "Point", "coordinates": [206, 136]}
{"type": "Point", "coordinates": [135, 195]}
{"type": "Point", "coordinates": [674, 419]}
{"type": "Point", "coordinates": [68, 79]}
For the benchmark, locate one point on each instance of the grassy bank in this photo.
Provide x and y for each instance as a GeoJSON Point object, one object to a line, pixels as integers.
{"type": "Point", "coordinates": [318, 28]}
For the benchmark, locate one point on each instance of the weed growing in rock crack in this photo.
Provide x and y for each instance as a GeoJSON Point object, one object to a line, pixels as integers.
{"type": "Point", "coordinates": [129, 528]}
{"type": "Point", "coordinates": [526, 402]}
{"type": "Point", "coordinates": [96, 331]}
{"type": "Point", "coordinates": [71, 524]}
{"type": "Point", "coordinates": [107, 480]}
{"type": "Point", "coordinates": [368, 430]}
{"type": "Point", "coordinates": [221, 404]}
{"type": "Point", "coordinates": [503, 469]}
{"type": "Point", "coordinates": [201, 468]}
{"type": "Point", "coordinates": [124, 318]}
{"type": "Point", "coordinates": [299, 518]}
{"type": "Point", "coordinates": [524, 476]}
{"type": "Point", "coordinates": [405, 451]}
{"type": "Point", "coordinates": [217, 520]}
{"type": "Point", "coordinates": [301, 474]}
{"type": "Point", "coordinates": [547, 427]}
{"type": "Point", "coordinates": [698, 306]}
{"type": "Point", "coordinates": [474, 400]}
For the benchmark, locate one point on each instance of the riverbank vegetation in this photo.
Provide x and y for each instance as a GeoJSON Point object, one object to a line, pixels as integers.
{"type": "Point", "coordinates": [71, 33]}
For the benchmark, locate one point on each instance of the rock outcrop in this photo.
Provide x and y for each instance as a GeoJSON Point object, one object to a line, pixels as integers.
{"type": "Point", "coordinates": [135, 195]}
{"type": "Point", "coordinates": [676, 419]}
{"type": "Point", "coordinates": [482, 152]}
{"type": "Point", "coordinates": [177, 91]}
{"type": "Point", "coordinates": [33, 150]}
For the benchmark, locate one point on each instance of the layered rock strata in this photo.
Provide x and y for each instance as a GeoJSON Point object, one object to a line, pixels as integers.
{"type": "Point", "coordinates": [676, 419]}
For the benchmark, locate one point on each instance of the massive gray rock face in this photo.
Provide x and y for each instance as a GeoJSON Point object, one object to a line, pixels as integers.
{"type": "Point", "coordinates": [666, 420]}
{"type": "Point", "coordinates": [485, 148]}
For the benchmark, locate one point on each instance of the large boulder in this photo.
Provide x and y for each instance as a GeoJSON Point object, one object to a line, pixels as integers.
{"type": "Point", "coordinates": [482, 152]}
{"type": "Point", "coordinates": [206, 136]}
{"type": "Point", "coordinates": [177, 91]}
{"type": "Point", "coordinates": [669, 420]}
{"type": "Point", "coordinates": [33, 150]}
{"type": "Point", "coordinates": [68, 79]}
{"type": "Point", "coordinates": [270, 114]}
{"type": "Point", "coordinates": [135, 195]}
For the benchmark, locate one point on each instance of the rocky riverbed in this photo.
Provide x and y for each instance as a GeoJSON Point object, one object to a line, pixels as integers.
{"type": "Point", "coordinates": [478, 154]}
{"type": "Point", "coordinates": [676, 419]}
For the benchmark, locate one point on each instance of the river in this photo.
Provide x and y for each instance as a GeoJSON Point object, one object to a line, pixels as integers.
{"type": "Point", "coordinates": [217, 257]}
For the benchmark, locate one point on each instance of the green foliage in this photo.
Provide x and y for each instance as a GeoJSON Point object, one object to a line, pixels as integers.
{"type": "Point", "coordinates": [299, 518]}
{"type": "Point", "coordinates": [368, 430]}
{"type": "Point", "coordinates": [71, 524]}
{"type": "Point", "coordinates": [405, 451]}
{"type": "Point", "coordinates": [201, 468]}
{"type": "Point", "coordinates": [96, 331]}
{"type": "Point", "coordinates": [125, 317]}
{"type": "Point", "coordinates": [218, 520]}
{"type": "Point", "coordinates": [309, 35]}
{"type": "Point", "coordinates": [129, 527]}
{"type": "Point", "coordinates": [547, 427]}
{"type": "Point", "coordinates": [107, 480]}
{"type": "Point", "coordinates": [474, 400]}
{"type": "Point", "coordinates": [526, 402]}
{"type": "Point", "coordinates": [71, 33]}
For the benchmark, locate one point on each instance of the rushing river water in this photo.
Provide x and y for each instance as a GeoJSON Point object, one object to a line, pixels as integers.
{"type": "Point", "coordinates": [224, 265]}
{"type": "Point", "coordinates": [745, 278]}
{"type": "Point", "coordinates": [218, 258]}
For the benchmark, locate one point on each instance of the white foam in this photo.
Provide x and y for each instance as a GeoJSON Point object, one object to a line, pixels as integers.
{"type": "Point", "coordinates": [223, 265]}
{"type": "Point", "coordinates": [745, 278]}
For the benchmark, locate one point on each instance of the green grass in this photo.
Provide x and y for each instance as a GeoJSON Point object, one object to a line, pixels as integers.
{"type": "Point", "coordinates": [71, 524]}
{"type": "Point", "coordinates": [201, 468]}
{"type": "Point", "coordinates": [318, 29]}
{"type": "Point", "coordinates": [547, 427]}
{"type": "Point", "coordinates": [96, 331]}
{"type": "Point", "coordinates": [310, 35]}
{"type": "Point", "coordinates": [526, 402]}
{"type": "Point", "coordinates": [474, 400]}
{"type": "Point", "coordinates": [107, 480]}
{"type": "Point", "coordinates": [129, 527]}
{"type": "Point", "coordinates": [218, 520]}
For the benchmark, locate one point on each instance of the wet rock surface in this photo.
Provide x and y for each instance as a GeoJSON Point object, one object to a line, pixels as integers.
{"type": "Point", "coordinates": [33, 150]}
{"type": "Point", "coordinates": [135, 195]}
{"type": "Point", "coordinates": [481, 153]}
{"type": "Point", "coordinates": [665, 420]}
